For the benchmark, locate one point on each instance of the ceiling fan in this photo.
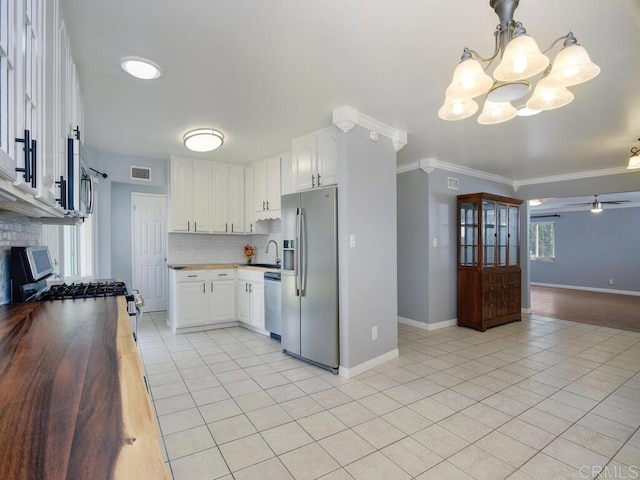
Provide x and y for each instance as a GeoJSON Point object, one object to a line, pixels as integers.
{"type": "Point", "coordinates": [596, 205]}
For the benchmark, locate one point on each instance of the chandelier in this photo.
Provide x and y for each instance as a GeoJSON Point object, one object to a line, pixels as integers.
{"type": "Point", "coordinates": [521, 59]}
{"type": "Point", "coordinates": [634, 159]}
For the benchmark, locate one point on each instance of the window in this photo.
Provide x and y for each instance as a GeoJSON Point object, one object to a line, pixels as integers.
{"type": "Point", "coordinates": [542, 241]}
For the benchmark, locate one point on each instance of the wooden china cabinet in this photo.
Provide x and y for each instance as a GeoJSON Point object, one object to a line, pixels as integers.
{"type": "Point", "coordinates": [489, 272]}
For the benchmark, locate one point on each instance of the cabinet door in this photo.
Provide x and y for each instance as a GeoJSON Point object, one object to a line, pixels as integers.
{"type": "Point", "coordinates": [236, 200]}
{"type": "Point", "coordinates": [287, 183]}
{"type": "Point", "coordinates": [192, 304]}
{"type": "Point", "coordinates": [273, 183]}
{"type": "Point", "coordinates": [501, 235]}
{"type": "Point", "coordinates": [244, 301]}
{"type": "Point", "coordinates": [303, 152]}
{"type": "Point", "coordinates": [200, 190]}
{"type": "Point", "coordinates": [327, 161]}
{"type": "Point", "coordinates": [223, 301]}
{"type": "Point", "coordinates": [489, 235]}
{"type": "Point", "coordinates": [260, 186]}
{"type": "Point", "coordinates": [514, 235]}
{"type": "Point", "coordinates": [8, 76]}
{"type": "Point", "coordinates": [249, 218]}
{"type": "Point", "coordinates": [257, 304]}
{"type": "Point", "coordinates": [180, 200]}
{"type": "Point", "coordinates": [220, 176]}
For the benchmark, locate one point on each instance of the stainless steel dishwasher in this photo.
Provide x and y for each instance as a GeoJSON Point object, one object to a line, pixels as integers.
{"type": "Point", "coordinates": [272, 298]}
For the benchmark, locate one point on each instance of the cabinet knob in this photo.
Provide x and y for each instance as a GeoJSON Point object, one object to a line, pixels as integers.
{"type": "Point", "coordinates": [318, 179]}
{"type": "Point", "coordinates": [264, 206]}
{"type": "Point", "coordinates": [313, 180]}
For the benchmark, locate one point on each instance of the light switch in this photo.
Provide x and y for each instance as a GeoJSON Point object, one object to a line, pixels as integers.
{"type": "Point", "coordinates": [352, 241]}
{"type": "Point", "coordinates": [435, 242]}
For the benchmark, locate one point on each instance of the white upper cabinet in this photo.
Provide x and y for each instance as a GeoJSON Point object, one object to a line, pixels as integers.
{"type": "Point", "coordinates": [287, 182]}
{"type": "Point", "coordinates": [249, 217]}
{"type": "Point", "coordinates": [315, 159]}
{"type": "Point", "coordinates": [40, 105]}
{"type": "Point", "coordinates": [266, 174]}
{"type": "Point", "coordinates": [206, 197]}
{"type": "Point", "coordinates": [236, 199]}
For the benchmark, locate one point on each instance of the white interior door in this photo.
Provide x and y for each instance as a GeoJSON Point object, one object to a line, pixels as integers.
{"type": "Point", "coordinates": [150, 249]}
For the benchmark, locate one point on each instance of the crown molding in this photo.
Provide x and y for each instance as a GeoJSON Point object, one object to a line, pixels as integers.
{"type": "Point", "coordinates": [570, 176]}
{"type": "Point", "coordinates": [429, 164]}
{"type": "Point", "coordinates": [345, 118]}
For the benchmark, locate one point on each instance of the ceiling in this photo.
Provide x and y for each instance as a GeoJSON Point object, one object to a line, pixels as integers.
{"type": "Point", "coordinates": [264, 72]}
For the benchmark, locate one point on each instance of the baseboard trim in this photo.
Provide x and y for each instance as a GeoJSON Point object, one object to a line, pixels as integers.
{"type": "Point", "coordinates": [526, 310]}
{"type": "Point", "coordinates": [369, 364]}
{"type": "Point", "coordinates": [428, 326]}
{"type": "Point", "coordinates": [588, 289]}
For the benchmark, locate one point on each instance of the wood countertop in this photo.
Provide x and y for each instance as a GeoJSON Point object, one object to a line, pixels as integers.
{"type": "Point", "coordinates": [73, 401]}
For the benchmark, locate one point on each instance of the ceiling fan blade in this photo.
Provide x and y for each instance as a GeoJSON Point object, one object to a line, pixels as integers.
{"type": "Point", "coordinates": [579, 204]}
{"type": "Point", "coordinates": [615, 202]}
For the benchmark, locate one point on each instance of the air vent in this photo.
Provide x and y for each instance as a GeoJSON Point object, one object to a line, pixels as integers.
{"type": "Point", "coordinates": [452, 183]}
{"type": "Point", "coordinates": [140, 173]}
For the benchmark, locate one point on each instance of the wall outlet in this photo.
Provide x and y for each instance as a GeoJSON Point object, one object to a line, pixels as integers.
{"type": "Point", "coordinates": [611, 281]}
{"type": "Point", "coordinates": [374, 333]}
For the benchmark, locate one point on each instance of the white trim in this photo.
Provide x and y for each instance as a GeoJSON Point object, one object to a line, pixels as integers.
{"type": "Point", "coordinates": [428, 326]}
{"type": "Point", "coordinates": [369, 364]}
{"type": "Point", "coordinates": [428, 166]}
{"type": "Point", "coordinates": [588, 289]}
{"type": "Point", "coordinates": [571, 176]}
{"type": "Point", "coordinates": [345, 118]}
{"type": "Point", "coordinates": [526, 310]}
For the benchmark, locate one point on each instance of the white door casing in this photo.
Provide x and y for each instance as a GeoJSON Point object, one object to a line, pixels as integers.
{"type": "Point", "coordinates": [149, 214]}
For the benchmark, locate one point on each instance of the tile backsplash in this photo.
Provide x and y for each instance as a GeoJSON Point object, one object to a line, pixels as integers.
{"type": "Point", "coordinates": [14, 232]}
{"type": "Point", "coordinates": [191, 248]}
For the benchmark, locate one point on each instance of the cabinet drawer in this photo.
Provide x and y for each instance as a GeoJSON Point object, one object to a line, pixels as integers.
{"type": "Point", "coordinates": [192, 275]}
{"type": "Point", "coordinates": [250, 275]}
{"type": "Point", "coordinates": [222, 274]}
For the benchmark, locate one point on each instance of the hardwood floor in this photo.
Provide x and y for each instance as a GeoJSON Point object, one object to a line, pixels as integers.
{"type": "Point", "coordinates": [594, 308]}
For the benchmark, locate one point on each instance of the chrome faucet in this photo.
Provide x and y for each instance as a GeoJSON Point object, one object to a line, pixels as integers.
{"type": "Point", "coordinates": [266, 250]}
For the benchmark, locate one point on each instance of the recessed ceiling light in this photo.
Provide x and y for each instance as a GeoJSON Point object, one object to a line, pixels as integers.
{"type": "Point", "coordinates": [203, 139]}
{"type": "Point", "coordinates": [535, 202]}
{"type": "Point", "coordinates": [140, 68]}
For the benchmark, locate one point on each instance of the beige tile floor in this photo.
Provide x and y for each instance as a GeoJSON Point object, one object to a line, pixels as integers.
{"type": "Point", "coordinates": [541, 399]}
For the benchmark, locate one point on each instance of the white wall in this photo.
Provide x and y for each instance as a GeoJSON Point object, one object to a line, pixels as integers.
{"type": "Point", "coordinates": [368, 272]}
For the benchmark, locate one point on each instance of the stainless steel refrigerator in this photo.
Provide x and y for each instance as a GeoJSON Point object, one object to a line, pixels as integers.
{"type": "Point", "coordinates": [310, 276]}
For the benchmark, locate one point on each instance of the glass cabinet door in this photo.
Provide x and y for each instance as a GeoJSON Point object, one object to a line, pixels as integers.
{"type": "Point", "coordinates": [502, 235]}
{"type": "Point", "coordinates": [468, 234]}
{"type": "Point", "coordinates": [514, 237]}
{"type": "Point", "coordinates": [488, 233]}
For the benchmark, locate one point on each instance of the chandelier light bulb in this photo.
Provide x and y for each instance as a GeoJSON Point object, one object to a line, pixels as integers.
{"type": "Point", "coordinates": [496, 112]}
{"type": "Point", "coordinates": [469, 80]}
{"type": "Point", "coordinates": [457, 109]}
{"type": "Point", "coordinates": [571, 66]}
{"type": "Point", "coordinates": [547, 98]}
{"type": "Point", "coordinates": [521, 59]}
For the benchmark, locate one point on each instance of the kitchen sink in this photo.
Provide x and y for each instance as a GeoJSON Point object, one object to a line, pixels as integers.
{"type": "Point", "coordinates": [264, 265]}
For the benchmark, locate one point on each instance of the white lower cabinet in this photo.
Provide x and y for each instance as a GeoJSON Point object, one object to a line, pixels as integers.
{"type": "Point", "coordinates": [251, 297]}
{"type": "Point", "coordinates": [201, 298]}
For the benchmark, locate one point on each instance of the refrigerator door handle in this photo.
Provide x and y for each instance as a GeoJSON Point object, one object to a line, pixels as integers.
{"type": "Point", "coordinates": [297, 255]}
{"type": "Point", "coordinates": [303, 256]}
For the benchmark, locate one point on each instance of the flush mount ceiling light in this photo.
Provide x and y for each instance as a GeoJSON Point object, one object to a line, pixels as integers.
{"type": "Point", "coordinates": [521, 60]}
{"type": "Point", "coordinates": [141, 68]}
{"type": "Point", "coordinates": [634, 159]}
{"type": "Point", "coordinates": [596, 206]}
{"type": "Point", "coordinates": [534, 202]}
{"type": "Point", "coordinates": [203, 139]}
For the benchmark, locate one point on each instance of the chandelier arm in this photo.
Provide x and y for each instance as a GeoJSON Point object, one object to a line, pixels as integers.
{"type": "Point", "coordinates": [491, 58]}
{"type": "Point", "coordinates": [635, 150]}
{"type": "Point", "coordinates": [555, 42]}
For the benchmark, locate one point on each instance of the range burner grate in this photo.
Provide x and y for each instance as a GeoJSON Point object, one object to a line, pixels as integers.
{"type": "Point", "coordinates": [84, 290]}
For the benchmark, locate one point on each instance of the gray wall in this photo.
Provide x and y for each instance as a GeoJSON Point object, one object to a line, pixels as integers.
{"type": "Point", "coordinates": [368, 273]}
{"type": "Point", "coordinates": [427, 286]}
{"type": "Point", "coordinates": [592, 248]}
{"type": "Point", "coordinates": [117, 168]}
{"type": "Point", "coordinates": [121, 235]}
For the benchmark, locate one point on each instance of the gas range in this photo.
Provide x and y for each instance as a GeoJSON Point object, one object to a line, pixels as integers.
{"type": "Point", "coordinates": [100, 288]}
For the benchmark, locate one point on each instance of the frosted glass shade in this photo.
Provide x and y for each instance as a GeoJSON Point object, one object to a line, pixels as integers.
{"type": "Point", "coordinates": [469, 80]}
{"type": "Point", "coordinates": [571, 66]}
{"type": "Point", "coordinates": [203, 140]}
{"type": "Point", "coordinates": [634, 161]}
{"type": "Point", "coordinates": [547, 98]}
{"type": "Point", "coordinates": [496, 112]}
{"type": "Point", "coordinates": [457, 109]}
{"type": "Point", "coordinates": [521, 59]}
